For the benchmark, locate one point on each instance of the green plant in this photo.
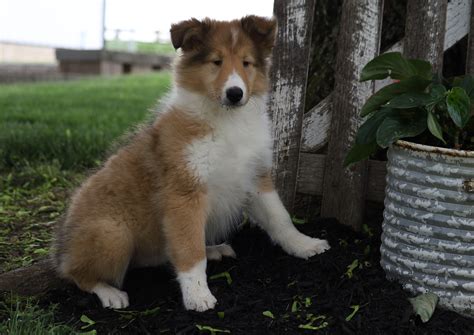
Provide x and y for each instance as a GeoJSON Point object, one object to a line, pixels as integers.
{"type": "Point", "coordinates": [418, 105]}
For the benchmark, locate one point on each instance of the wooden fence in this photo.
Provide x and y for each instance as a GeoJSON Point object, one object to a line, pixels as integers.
{"type": "Point", "coordinates": [432, 26]}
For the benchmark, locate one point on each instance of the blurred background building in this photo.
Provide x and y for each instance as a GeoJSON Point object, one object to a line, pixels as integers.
{"type": "Point", "coordinates": [55, 39]}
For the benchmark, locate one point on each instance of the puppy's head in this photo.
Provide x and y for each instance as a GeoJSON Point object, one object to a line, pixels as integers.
{"type": "Point", "coordinates": [226, 61]}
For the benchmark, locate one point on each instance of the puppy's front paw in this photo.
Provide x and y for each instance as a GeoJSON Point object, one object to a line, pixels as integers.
{"type": "Point", "coordinates": [199, 300]}
{"type": "Point", "coordinates": [196, 294]}
{"type": "Point", "coordinates": [303, 246]}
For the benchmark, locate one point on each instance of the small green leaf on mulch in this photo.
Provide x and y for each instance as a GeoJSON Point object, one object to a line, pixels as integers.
{"type": "Point", "coordinates": [88, 322]}
{"type": "Point", "coordinates": [268, 314]}
{"type": "Point", "coordinates": [355, 309]}
{"type": "Point", "coordinates": [224, 274]}
{"type": "Point", "coordinates": [211, 330]}
{"type": "Point", "coordinates": [424, 305]}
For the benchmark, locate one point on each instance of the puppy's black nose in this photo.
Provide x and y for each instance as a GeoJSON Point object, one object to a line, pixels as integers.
{"type": "Point", "coordinates": [234, 94]}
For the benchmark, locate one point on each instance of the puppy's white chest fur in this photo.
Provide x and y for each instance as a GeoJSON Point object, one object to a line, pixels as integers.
{"type": "Point", "coordinates": [228, 160]}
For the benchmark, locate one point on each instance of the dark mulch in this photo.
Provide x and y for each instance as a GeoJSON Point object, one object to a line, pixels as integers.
{"type": "Point", "coordinates": [266, 279]}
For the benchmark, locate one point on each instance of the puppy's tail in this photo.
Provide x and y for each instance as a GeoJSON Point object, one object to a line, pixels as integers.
{"type": "Point", "coordinates": [31, 280]}
{"type": "Point", "coordinates": [38, 277]}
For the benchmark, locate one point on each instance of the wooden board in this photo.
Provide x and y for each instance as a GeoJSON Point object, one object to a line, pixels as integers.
{"type": "Point", "coordinates": [310, 174]}
{"type": "Point", "coordinates": [470, 50]}
{"type": "Point", "coordinates": [310, 177]}
{"type": "Point", "coordinates": [425, 31]}
{"type": "Point", "coordinates": [458, 18]}
{"type": "Point", "coordinates": [316, 124]}
{"type": "Point", "coordinates": [317, 120]}
{"type": "Point", "coordinates": [289, 74]}
{"type": "Point", "coordinates": [358, 42]}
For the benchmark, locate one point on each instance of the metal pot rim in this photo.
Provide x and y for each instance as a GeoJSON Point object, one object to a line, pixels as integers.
{"type": "Point", "coordinates": [435, 150]}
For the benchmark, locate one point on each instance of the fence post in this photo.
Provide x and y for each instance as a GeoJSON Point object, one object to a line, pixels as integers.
{"type": "Point", "coordinates": [425, 30]}
{"type": "Point", "coordinates": [358, 42]}
{"type": "Point", "coordinates": [470, 49]}
{"type": "Point", "coordinates": [289, 77]}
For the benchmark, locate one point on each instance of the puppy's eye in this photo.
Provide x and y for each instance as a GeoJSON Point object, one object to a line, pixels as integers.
{"type": "Point", "coordinates": [246, 63]}
{"type": "Point", "coordinates": [217, 62]}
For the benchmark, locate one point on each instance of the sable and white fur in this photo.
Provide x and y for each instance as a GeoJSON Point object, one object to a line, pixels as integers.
{"type": "Point", "coordinates": [184, 180]}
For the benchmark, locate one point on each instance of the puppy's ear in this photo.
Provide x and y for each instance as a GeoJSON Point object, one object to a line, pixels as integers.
{"type": "Point", "coordinates": [261, 30]}
{"type": "Point", "coordinates": [188, 35]}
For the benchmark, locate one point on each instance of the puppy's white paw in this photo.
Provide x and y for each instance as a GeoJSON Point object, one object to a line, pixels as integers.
{"type": "Point", "coordinates": [111, 297]}
{"type": "Point", "coordinates": [196, 294]}
{"type": "Point", "coordinates": [216, 252]}
{"type": "Point", "coordinates": [199, 299]}
{"type": "Point", "coordinates": [303, 246]}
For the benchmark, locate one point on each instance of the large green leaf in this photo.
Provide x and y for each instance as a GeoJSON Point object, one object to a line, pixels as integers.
{"type": "Point", "coordinates": [435, 127]}
{"type": "Point", "coordinates": [422, 68]}
{"type": "Point", "coordinates": [368, 130]}
{"type": "Point", "coordinates": [409, 100]}
{"type": "Point", "coordinates": [438, 91]}
{"type": "Point", "coordinates": [466, 82]}
{"type": "Point", "coordinates": [412, 84]}
{"type": "Point", "coordinates": [359, 152]}
{"type": "Point", "coordinates": [393, 64]}
{"type": "Point", "coordinates": [458, 106]}
{"type": "Point", "coordinates": [397, 126]}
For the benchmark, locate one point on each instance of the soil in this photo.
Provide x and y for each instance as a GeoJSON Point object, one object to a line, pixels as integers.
{"type": "Point", "coordinates": [270, 293]}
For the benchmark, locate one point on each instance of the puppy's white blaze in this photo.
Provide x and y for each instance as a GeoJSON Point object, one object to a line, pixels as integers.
{"type": "Point", "coordinates": [235, 80]}
{"type": "Point", "coordinates": [196, 293]}
{"type": "Point", "coordinates": [235, 36]}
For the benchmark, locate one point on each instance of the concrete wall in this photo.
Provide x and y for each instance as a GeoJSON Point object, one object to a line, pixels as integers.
{"type": "Point", "coordinates": [20, 53]}
{"type": "Point", "coordinates": [21, 72]}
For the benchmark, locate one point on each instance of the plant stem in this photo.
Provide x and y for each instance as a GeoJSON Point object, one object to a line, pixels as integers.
{"type": "Point", "coordinates": [456, 139]}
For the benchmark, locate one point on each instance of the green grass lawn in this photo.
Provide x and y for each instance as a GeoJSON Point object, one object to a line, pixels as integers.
{"type": "Point", "coordinates": [72, 122]}
{"type": "Point", "coordinates": [50, 135]}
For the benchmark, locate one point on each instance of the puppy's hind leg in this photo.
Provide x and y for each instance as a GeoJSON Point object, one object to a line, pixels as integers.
{"type": "Point", "coordinates": [109, 296]}
{"type": "Point", "coordinates": [97, 260]}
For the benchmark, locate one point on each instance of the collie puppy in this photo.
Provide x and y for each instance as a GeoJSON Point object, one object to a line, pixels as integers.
{"type": "Point", "coordinates": [182, 182]}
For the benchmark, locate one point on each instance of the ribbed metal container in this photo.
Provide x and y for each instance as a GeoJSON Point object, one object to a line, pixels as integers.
{"type": "Point", "coordinates": [428, 228]}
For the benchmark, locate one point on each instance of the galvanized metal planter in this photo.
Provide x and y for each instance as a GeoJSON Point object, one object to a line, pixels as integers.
{"type": "Point", "coordinates": [428, 228]}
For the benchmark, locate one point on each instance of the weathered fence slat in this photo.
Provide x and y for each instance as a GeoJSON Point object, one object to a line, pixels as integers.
{"type": "Point", "coordinates": [358, 42]}
{"type": "Point", "coordinates": [458, 17]}
{"type": "Point", "coordinates": [316, 124]}
{"type": "Point", "coordinates": [310, 180]}
{"type": "Point", "coordinates": [425, 31]}
{"type": "Point", "coordinates": [317, 121]}
{"type": "Point", "coordinates": [470, 50]}
{"type": "Point", "coordinates": [289, 77]}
